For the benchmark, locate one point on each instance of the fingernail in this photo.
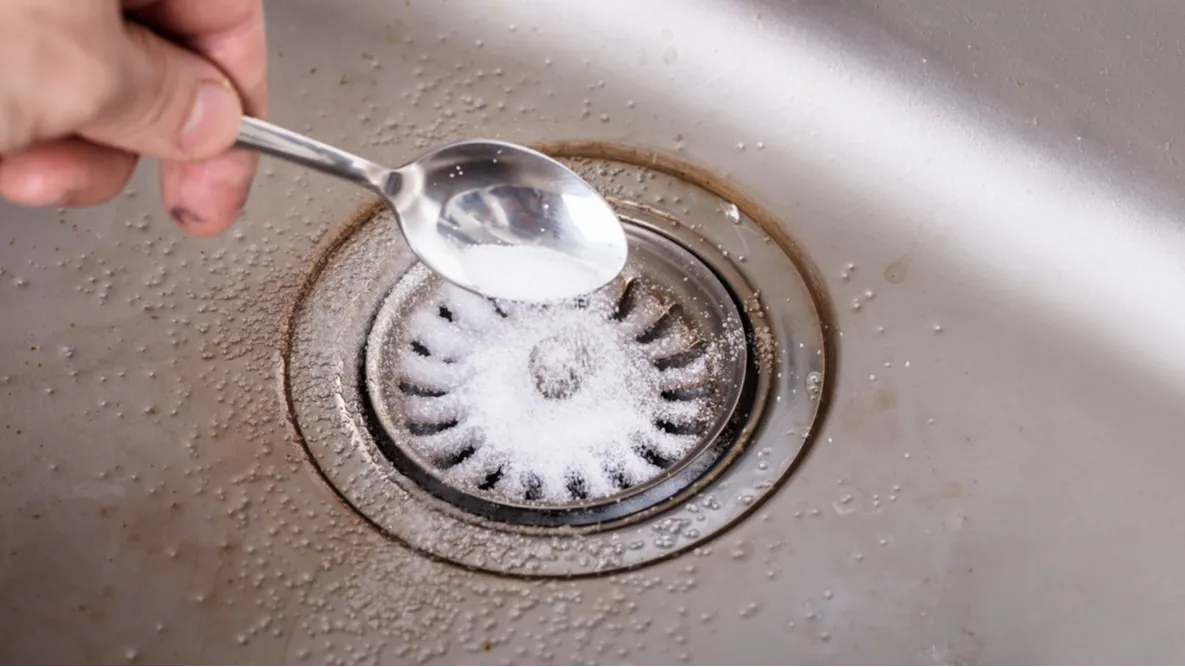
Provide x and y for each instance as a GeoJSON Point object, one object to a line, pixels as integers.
{"type": "Point", "coordinates": [216, 110]}
{"type": "Point", "coordinates": [184, 217]}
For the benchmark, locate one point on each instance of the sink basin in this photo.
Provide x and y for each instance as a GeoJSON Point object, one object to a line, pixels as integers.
{"type": "Point", "coordinates": [985, 200]}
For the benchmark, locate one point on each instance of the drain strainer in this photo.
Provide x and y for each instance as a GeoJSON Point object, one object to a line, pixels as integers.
{"type": "Point", "coordinates": [574, 438]}
{"type": "Point", "coordinates": [604, 404]}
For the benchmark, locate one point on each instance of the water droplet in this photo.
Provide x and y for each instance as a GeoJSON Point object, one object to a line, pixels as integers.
{"type": "Point", "coordinates": [827, 595]}
{"type": "Point", "coordinates": [906, 455]}
{"type": "Point", "coordinates": [749, 610]}
{"type": "Point", "coordinates": [733, 213]}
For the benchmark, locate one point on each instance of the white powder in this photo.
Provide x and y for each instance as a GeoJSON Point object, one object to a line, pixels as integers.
{"type": "Point", "coordinates": [529, 273]}
{"type": "Point", "coordinates": [604, 388]}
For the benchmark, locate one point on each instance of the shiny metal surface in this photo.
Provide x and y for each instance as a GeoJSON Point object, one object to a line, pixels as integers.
{"type": "Point", "coordinates": [666, 301]}
{"type": "Point", "coordinates": [338, 382]}
{"type": "Point", "coordinates": [990, 195]}
{"type": "Point", "coordinates": [467, 194]}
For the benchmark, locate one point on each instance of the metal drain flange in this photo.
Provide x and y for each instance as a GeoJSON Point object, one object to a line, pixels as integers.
{"type": "Point", "coordinates": [571, 414]}
{"type": "Point", "coordinates": [568, 439]}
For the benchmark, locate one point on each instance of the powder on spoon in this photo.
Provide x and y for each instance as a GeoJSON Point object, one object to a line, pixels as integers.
{"type": "Point", "coordinates": [528, 273]}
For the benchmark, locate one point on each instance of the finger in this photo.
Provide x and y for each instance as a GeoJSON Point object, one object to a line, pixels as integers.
{"type": "Point", "coordinates": [65, 172]}
{"type": "Point", "coordinates": [167, 102]}
{"type": "Point", "coordinates": [205, 197]}
{"type": "Point", "coordinates": [228, 32]}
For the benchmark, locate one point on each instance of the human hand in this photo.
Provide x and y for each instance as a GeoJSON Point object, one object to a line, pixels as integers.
{"type": "Point", "coordinates": [88, 85]}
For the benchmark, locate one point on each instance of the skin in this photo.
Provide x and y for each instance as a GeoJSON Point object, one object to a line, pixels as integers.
{"type": "Point", "coordinates": [88, 86]}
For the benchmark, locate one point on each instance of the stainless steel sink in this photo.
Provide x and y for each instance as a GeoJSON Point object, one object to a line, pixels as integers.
{"type": "Point", "coordinates": [987, 194]}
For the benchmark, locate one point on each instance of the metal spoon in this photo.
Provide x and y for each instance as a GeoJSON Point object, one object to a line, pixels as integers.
{"type": "Point", "coordinates": [498, 219]}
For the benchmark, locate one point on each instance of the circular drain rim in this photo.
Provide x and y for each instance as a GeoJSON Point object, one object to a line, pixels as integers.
{"type": "Point", "coordinates": [332, 315]}
{"type": "Point", "coordinates": [731, 415]}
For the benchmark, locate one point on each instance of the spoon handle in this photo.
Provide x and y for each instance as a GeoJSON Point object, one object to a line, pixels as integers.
{"type": "Point", "coordinates": [258, 135]}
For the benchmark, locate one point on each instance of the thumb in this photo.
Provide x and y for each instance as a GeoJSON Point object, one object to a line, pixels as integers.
{"type": "Point", "coordinates": [171, 104]}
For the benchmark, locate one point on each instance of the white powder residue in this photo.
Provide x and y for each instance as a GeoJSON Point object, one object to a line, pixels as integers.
{"type": "Point", "coordinates": [551, 395]}
{"type": "Point", "coordinates": [529, 273]}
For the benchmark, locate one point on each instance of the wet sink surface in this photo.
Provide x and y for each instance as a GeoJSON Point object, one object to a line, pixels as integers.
{"type": "Point", "coordinates": [990, 195]}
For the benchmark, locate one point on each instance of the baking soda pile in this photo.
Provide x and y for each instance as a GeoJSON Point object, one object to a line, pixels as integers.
{"type": "Point", "coordinates": [528, 273]}
{"type": "Point", "coordinates": [550, 395]}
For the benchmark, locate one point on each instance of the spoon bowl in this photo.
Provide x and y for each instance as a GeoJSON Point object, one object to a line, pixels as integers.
{"type": "Point", "coordinates": [492, 217]}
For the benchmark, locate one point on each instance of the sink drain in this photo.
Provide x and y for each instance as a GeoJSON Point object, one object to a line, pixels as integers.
{"type": "Point", "coordinates": [570, 414]}
{"type": "Point", "coordinates": [573, 438]}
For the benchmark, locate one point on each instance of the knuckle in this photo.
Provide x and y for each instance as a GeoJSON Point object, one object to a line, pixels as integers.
{"type": "Point", "coordinates": [61, 70]}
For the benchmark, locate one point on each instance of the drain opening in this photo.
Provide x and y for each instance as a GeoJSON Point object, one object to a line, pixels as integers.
{"type": "Point", "coordinates": [546, 410]}
{"type": "Point", "coordinates": [566, 400]}
{"type": "Point", "coordinates": [346, 388]}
